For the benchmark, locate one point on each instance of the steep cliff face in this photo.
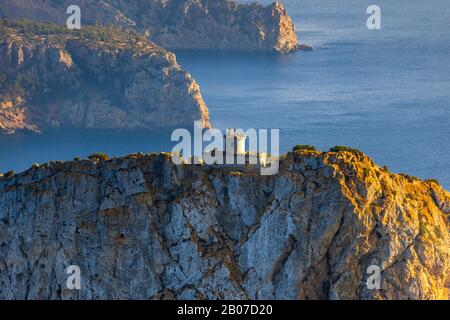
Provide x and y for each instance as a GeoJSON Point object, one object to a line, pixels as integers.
{"type": "Point", "coordinates": [93, 78]}
{"type": "Point", "coordinates": [180, 24]}
{"type": "Point", "coordinates": [142, 227]}
{"type": "Point", "coordinates": [218, 25]}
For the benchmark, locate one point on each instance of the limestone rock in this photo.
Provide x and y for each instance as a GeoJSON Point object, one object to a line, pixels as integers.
{"type": "Point", "coordinates": [141, 227]}
{"type": "Point", "coordinates": [92, 78]}
{"type": "Point", "coordinates": [178, 24]}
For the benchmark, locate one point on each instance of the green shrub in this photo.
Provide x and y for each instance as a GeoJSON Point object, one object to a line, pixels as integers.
{"type": "Point", "coordinates": [76, 159]}
{"type": "Point", "coordinates": [422, 228]}
{"type": "Point", "coordinates": [366, 172]}
{"type": "Point", "coordinates": [98, 156]}
{"type": "Point", "coordinates": [9, 174]}
{"type": "Point", "coordinates": [304, 147]}
{"type": "Point", "coordinates": [409, 177]}
{"type": "Point", "coordinates": [344, 148]}
{"type": "Point", "coordinates": [438, 232]}
{"type": "Point", "coordinates": [433, 181]}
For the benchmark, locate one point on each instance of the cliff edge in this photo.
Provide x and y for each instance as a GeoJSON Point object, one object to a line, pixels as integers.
{"type": "Point", "coordinates": [108, 78]}
{"type": "Point", "coordinates": [141, 227]}
{"type": "Point", "coordinates": [177, 24]}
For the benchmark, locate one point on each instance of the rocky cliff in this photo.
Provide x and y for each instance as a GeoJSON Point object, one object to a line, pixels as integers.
{"type": "Point", "coordinates": [180, 24]}
{"type": "Point", "coordinates": [91, 78]}
{"type": "Point", "coordinates": [142, 227]}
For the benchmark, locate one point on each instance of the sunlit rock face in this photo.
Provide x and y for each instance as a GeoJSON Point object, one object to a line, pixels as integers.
{"type": "Point", "coordinates": [141, 227]}
{"type": "Point", "coordinates": [220, 25]}
{"type": "Point", "coordinates": [99, 78]}
{"type": "Point", "coordinates": [178, 24]}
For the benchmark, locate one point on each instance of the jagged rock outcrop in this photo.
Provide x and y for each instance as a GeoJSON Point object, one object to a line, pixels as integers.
{"type": "Point", "coordinates": [142, 227]}
{"type": "Point", "coordinates": [92, 78]}
{"type": "Point", "coordinates": [178, 24]}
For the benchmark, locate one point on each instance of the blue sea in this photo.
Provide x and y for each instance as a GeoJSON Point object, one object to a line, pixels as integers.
{"type": "Point", "coordinates": [386, 92]}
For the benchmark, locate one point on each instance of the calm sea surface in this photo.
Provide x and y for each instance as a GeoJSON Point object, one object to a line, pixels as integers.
{"type": "Point", "coordinates": [386, 92]}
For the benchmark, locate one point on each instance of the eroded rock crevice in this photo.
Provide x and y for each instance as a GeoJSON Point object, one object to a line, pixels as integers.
{"type": "Point", "coordinates": [142, 227]}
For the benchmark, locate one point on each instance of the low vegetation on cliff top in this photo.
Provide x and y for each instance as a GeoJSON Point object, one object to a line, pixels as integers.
{"type": "Point", "coordinates": [332, 149]}
{"type": "Point", "coordinates": [344, 148]}
{"type": "Point", "coordinates": [101, 156]}
{"type": "Point", "coordinates": [98, 156]}
{"type": "Point", "coordinates": [32, 29]}
{"type": "Point", "coordinates": [18, 82]}
{"type": "Point", "coordinates": [304, 147]}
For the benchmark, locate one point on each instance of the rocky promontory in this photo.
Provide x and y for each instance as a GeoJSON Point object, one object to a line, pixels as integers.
{"type": "Point", "coordinates": [97, 77]}
{"type": "Point", "coordinates": [141, 227]}
{"type": "Point", "coordinates": [178, 24]}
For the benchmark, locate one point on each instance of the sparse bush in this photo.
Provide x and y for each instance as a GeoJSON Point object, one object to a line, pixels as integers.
{"type": "Point", "coordinates": [304, 147]}
{"type": "Point", "coordinates": [438, 232]}
{"type": "Point", "coordinates": [422, 228]}
{"type": "Point", "coordinates": [411, 196]}
{"type": "Point", "coordinates": [409, 177]}
{"type": "Point", "coordinates": [385, 168]}
{"type": "Point", "coordinates": [35, 165]}
{"type": "Point", "coordinates": [344, 148]}
{"type": "Point", "coordinates": [433, 181]}
{"type": "Point", "coordinates": [98, 156]}
{"type": "Point", "coordinates": [366, 172]}
{"type": "Point", "coordinates": [9, 174]}
{"type": "Point", "coordinates": [76, 159]}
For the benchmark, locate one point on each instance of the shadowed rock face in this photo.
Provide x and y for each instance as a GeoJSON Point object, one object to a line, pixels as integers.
{"type": "Point", "coordinates": [95, 78]}
{"type": "Point", "coordinates": [178, 24]}
{"type": "Point", "coordinates": [142, 227]}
